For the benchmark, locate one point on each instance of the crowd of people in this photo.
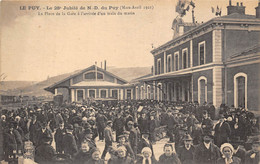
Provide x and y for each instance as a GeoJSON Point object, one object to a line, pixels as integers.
{"type": "Point", "coordinates": [130, 131]}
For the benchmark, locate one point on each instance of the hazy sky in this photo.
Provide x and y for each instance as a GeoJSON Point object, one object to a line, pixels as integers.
{"type": "Point", "coordinates": [34, 47]}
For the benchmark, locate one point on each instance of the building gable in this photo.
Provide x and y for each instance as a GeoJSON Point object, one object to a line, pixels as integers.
{"type": "Point", "coordinates": [87, 74]}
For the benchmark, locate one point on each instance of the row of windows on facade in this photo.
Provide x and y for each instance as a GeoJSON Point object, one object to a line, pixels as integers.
{"type": "Point", "coordinates": [240, 91]}
{"type": "Point", "coordinates": [102, 93]}
{"type": "Point", "coordinates": [148, 93]}
{"type": "Point", "coordinates": [93, 75]}
{"type": "Point", "coordinates": [173, 64]}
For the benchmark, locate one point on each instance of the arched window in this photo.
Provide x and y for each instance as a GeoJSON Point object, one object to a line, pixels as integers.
{"type": "Point", "coordinates": [185, 58]}
{"type": "Point", "coordinates": [176, 61]}
{"type": "Point", "coordinates": [202, 90]}
{"type": "Point", "coordinates": [142, 92]}
{"type": "Point", "coordinates": [169, 63]}
{"type": "Point", "coordinates": [240, 90]}
{"type": "Point", "coordinates": [159, 66]}
{"type": "Point", "coordinates": [148, 92]}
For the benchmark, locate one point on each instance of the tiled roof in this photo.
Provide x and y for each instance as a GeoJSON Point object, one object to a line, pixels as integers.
{"type": "Point", "coordinates": [232, 18]}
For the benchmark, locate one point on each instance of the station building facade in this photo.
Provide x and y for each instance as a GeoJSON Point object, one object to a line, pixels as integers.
{"type": "Point", "coordinates": [92, 83]}
{"type": "Point", "coordinates": [215, 62]}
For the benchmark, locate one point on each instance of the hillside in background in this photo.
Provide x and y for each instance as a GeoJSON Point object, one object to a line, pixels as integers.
{"type": "Point", "coordinates": [9, 85]}
{"type": "Point", "coordinates": [37, 88]}
{"type": "Point", "coordinates": [129, 74]}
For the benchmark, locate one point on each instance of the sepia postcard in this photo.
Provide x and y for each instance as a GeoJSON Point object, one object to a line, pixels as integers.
{"type": "Point", "coordinates": [148, 55]}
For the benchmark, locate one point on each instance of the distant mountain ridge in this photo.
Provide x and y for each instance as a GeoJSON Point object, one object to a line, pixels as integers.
{"type": "Point", "coordinates": [37, 88]}
{"type": "Point", "coordinates": [9, 85]}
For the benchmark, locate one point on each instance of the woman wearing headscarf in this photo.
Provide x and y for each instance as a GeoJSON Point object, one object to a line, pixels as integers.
{"type": "Point", "coordinates": [227, 151]}
{"type": "Point", "coordinates": [146, 157]}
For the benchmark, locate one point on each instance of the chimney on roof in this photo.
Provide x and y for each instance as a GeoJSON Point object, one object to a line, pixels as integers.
{"type": "Point", "coordinates": [101, 66]}
{"type": "Point", "coordinates": [257, 11]}
{"type": "Point", "coordinates": [105, 65]}
{"type": "Point", "coordinates": [236, 9]}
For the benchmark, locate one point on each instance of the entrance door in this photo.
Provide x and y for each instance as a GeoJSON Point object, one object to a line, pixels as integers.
{"type": "Point", "coordinates": [80, 95]}
{"type": "Point", "coordinates": [241, 91]}
{"type": "Point", "coordinates": [103, 93]}
{"type": "Point", "coordinates": [148, 92]}
{"type": "Point", "coordinates": [186, 90]}
{"type": "Point", "coordinates": [177, 92]}
{"type": "Point", "coordinates": [128, 92]}
{"type": "Point", "coordinates": [169, 90]}
{"type": "Point", "coordinates": [115, 94]}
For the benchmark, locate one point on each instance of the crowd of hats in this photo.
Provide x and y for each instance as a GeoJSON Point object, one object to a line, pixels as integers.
{"type": "Point", "coordinates": [85, 113]}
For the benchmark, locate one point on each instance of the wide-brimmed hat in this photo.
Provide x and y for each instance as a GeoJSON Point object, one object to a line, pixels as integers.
{"type": "Point", "coordinates": [226, 145]}
{"type": "Point", "coordinates": [121, 136]}
{"type": "Point", "coordinates": [109, 122]}
{"type": "Point", "coordinates": [209, 134]}
{"type": "Point", "coordinates": [187, 138]}
{"type": "Point", "coordinates": [130, 123]}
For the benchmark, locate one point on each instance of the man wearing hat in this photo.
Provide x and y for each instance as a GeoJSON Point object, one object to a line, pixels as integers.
{"type": "Point", "coordinates": [207, 124]}
{"type": "Point", "coordinates": [133, 136]}
{"type": "Point", "coordinates": [152, 126]}
{"type": "Point", "coordinates": [108, 138]}
{"type": "Point", "coordinates": [186, 152]}
{"type": "Point", "coordinates": [222, 131]}
{"type": "Point", "coordinates": [69, 142]}
{"type": "Point", "coordinates": [58, 137]}
{"type": "Point", "coordinates": [171, 124]}
{"type": "Point", "coordinates": [44, 131]}
{"type": "Point", "coordinates": [206, 152]}
{"type": "Point", "coordinates": [9, 142]}
{"type": "Point", "coordinates": [143, 122]}
{"type": "Point", "coordinates": [101, 124]}
{"type": "Point", "coordinates": [145, 142]}
{"type": "Point", "coordinates": [119, 125]}
{"type": "Point", "coordinates": [45, 153]}
{"type": "Point", "coordinates": [128, 117]}
{"type": "Point", "coordinates": [18, 137]}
